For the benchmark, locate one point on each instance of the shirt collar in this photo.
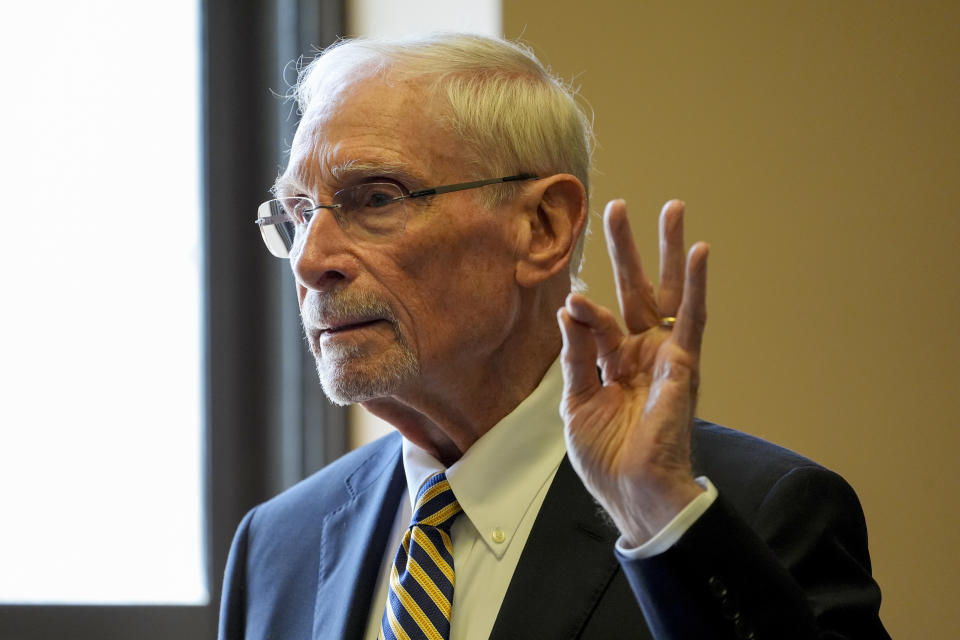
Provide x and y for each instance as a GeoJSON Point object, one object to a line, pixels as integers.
{"type": "Point", "coordinates": [497, 478]}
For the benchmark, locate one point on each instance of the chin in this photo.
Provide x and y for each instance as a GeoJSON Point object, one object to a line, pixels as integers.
{"type": "Point", "coordinates": [353, 380]}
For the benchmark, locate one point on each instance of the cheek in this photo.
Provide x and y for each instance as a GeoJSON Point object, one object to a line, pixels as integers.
{"type": "Point", "coordinates": [463, 293]}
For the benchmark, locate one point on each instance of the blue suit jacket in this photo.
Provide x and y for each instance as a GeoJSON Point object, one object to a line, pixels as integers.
{"type": "Point", "coordinates": [781, 554]}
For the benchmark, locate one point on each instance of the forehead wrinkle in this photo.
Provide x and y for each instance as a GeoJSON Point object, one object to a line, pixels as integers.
{"type": "Point", "coordinates": [306, 167]}
{"type": "Point", "coordinates": [320, 163]}
{"type": "Point", "coordinates": [298, 176]}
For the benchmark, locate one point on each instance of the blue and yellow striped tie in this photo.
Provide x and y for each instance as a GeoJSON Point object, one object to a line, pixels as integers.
{"type": "Point", "coordinates": [421, 581]}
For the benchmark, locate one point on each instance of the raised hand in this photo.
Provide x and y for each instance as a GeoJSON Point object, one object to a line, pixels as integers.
{"type": "Point", "coordinates": [628, 436]}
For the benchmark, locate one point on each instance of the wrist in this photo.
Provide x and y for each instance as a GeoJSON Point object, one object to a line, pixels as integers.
{"type": "Point", "coordinates": [644, 514]}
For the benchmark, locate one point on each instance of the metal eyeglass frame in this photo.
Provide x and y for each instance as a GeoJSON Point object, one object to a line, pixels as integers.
{"type": "Point", "coordinates": [419, 193]}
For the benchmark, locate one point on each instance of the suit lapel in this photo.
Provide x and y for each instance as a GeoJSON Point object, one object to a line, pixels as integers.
{"type": "Point", "coordinates": [565, 567]}
{"type": "Point", "coordinates": [353, 538]}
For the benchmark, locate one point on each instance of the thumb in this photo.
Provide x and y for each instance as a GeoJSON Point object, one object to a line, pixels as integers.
{"type": "Point", "coordinates": [578, 357]}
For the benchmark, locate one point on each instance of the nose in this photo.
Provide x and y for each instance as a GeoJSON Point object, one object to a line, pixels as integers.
{"type": "Point", "coordinates": [321, 260]}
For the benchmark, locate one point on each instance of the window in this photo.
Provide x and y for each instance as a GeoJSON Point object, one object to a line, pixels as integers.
{"type": "Point", "coordinates": [173, 354]}
{"type": "Point", "coordinates": [101, 444]}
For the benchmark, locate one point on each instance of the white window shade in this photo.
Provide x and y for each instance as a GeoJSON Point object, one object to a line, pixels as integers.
{"type": "Point", "coordinates": [100, 417]}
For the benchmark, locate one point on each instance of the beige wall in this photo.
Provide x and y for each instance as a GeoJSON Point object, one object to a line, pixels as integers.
{"type": "Point", "coordinates": [817, 147]}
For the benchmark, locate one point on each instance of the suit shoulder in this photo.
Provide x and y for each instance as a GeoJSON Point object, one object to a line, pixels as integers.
{"type": "Point", "coordinates": [715, 445]}
{"type": "Point", "coordinates": [744, 467]}
{"type": "Point", "coordinates": [335, 483]}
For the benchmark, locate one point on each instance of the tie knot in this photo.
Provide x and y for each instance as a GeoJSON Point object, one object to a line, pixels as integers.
{"type": "Point", "coordinates": [436, 505]}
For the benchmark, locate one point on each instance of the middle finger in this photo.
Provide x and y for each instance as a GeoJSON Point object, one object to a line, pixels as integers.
{"type": "Point", "coordinates": [672, 257]}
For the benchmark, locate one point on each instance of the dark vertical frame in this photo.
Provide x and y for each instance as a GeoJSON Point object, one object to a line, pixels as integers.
{"type": "Point", "coordinates": [268, 424]}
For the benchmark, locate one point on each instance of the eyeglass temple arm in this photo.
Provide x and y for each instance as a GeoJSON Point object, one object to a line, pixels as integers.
{"type": "Point", "coordinates": [469, 185]}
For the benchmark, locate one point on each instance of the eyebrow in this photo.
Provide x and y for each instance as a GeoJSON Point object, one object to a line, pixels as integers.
{"type": "Point", "coordinates": [351, 171]}
{"type": "Point", "coordinates": [285, 185]}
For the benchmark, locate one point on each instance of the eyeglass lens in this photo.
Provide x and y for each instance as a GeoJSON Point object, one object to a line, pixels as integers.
{"type": "Point", "coordinates": [365, 211]}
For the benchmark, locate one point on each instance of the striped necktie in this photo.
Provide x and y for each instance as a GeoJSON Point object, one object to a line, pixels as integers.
{"type": "Point", "coordinates": [421, 581]}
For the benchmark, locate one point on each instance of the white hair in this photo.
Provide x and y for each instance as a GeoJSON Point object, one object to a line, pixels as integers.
{"type": "Point", "coordinates": [512, 114]}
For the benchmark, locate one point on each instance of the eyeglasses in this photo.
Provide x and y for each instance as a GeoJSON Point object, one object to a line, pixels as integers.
{"type": "Point", "coordinates": [368, 210]}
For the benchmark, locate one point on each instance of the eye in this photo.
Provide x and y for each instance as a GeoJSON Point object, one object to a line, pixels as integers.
{"type": "Point", "coordinates": [369, 195]}
{"type": "Point", "coordinates": [377, 199]}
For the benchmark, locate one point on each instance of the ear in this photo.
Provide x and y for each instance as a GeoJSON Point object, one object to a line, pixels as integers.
{"type": "Point", "coordinates": [554, 215]}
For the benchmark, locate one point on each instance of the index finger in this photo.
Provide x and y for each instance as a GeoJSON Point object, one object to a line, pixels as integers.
{"type": "Point", "coordinates": [634, 291]}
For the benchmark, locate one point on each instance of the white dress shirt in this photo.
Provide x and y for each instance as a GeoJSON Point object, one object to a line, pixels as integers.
{"type": "Point", "coordinates": [501, 482]}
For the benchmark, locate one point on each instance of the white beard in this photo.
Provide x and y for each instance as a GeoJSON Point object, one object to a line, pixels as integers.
{"type": "Point", "coordinates": [347, 377]}
{"type": "Point", "coordinates": [348, 373]}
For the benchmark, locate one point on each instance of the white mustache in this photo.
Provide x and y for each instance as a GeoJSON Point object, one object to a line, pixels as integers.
{"type": "Point", "coordinates": [321, 311]}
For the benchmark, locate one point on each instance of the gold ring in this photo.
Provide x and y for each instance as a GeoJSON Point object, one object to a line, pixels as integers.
{"type": "Point", "coordinates": [668, 322]}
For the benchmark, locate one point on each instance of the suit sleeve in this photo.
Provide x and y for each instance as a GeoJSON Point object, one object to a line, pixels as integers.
{"type": "Point", "coordinates": [233, 601]}
{"type": "Point", "coordinates": [799, 570]}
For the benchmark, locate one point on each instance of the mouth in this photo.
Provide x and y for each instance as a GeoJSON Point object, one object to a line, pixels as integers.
{"type": "Point", "coordinates": [348, 326]}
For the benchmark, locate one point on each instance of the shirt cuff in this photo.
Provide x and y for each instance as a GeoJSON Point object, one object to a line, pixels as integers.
{"type": "Point", "coordinates": [670, 534]}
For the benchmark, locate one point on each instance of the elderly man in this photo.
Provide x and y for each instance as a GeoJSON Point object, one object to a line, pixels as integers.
{"type": "Point", "coordinates": [433, 211]}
